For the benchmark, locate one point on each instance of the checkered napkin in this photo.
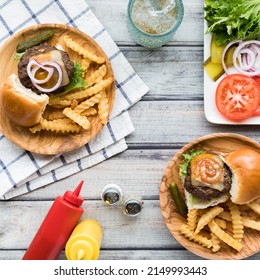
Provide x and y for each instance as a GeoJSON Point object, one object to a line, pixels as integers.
{"type": "Point", "coordinates": [22, 171]}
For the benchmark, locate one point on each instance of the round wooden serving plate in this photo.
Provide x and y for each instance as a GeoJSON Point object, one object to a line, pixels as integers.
{"type": "Point", "coordinates": [215, 143]}
{"type": "Point", "coordinates": [47, 142]}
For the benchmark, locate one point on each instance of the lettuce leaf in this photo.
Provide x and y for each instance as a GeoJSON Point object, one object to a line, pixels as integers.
{"type": "Point", "coordinates": [77, 81]}
{"type": "Point", "coordinates": [187, 158]}
{"type": "Point", "coordinates": [230, 20]}
{"type": "Point", "coordinates": [18, 56]}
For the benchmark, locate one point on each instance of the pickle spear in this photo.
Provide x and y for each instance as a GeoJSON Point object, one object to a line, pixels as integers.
{"type": "Point", "coordinates": [179, 201]}
{"type": "Point", "coordinates": [34, 41]}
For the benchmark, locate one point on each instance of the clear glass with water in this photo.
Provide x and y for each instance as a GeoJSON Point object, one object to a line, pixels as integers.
{"type": "Point", "coordinates": [152, 23]}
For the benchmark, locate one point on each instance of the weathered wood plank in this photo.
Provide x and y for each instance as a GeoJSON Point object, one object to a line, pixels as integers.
{"type": "Point", "coordinates": [19, 221]}
{"type": "Point", "coordinates": [170, 72]}
{"type": "Point", "coordinates": [114, 18]}
{"type": "Point", "coordinates": [176, 122]}
{"type": "Point", "coordinates": [125, 255]}
{"type": "Point", "coordinates": [138, 236]}
{"type": "Point", "coordinates": [138, 172]}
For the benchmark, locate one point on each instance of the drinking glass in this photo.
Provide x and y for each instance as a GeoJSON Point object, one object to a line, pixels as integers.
{"type": "Point", "coordinates": [152, 23]}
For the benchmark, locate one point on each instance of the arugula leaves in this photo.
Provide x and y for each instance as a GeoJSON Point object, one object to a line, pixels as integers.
{"type": "Point", "coordinates": [187, 158]}
{"type": "Point", "coordinates": [233, 19]}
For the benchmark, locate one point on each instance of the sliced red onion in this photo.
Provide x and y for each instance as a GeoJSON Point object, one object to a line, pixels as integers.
{"type": "Point", "coordinates": [224, 54]}
{"type": "Point", "coordinates": [244, 46]}
{"type": "Point", "coordinates": [246, 57]}
{"type": "Point", "coordinates": [49, 67]}
{"type": "Point", "coordinates": [31, 72]}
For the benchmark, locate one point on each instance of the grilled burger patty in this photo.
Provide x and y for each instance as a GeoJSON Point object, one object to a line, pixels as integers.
{"type": "Point", "coordinates": [42, 48]}
{"type": "Point", "coordinates": [207, 193]}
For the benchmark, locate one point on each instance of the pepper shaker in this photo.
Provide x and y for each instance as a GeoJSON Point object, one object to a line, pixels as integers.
{"type": "Point", "coordinates": [111, 194]}
{"type": "Point", "coordinates": [132, 206]}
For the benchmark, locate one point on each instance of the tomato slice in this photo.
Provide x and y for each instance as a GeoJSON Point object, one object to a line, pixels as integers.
{"type": "Point", "coordinates": [257, 79]}
{"type": "Point", "coordinates": [237, 97]}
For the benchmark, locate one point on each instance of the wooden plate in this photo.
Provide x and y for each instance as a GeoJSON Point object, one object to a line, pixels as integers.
{"type": "Point", "coordinates": [48, 142]}
{"type": "Point", "coordinates": [218, 143]}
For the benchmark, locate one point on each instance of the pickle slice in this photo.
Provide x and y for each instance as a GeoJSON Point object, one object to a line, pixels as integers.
{"type": "Point", "coordinates": [34, 41]}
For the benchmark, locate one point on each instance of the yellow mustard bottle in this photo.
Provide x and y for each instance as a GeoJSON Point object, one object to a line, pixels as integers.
{"type": "Point", "coordinates": [85, 241]}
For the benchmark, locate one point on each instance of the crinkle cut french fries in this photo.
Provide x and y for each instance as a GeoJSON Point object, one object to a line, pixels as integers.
{"type": "Point", "coordinates": [219, 225]}
{"type": "Point", "coordinates": [70, 113]}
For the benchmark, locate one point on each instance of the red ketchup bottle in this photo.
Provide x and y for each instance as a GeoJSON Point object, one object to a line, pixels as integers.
{"type": "Point", "coordinates": [57, 226]}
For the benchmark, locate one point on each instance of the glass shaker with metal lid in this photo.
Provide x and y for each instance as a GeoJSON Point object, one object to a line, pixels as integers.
{"type": "Point", "coordinates": [111, 194]}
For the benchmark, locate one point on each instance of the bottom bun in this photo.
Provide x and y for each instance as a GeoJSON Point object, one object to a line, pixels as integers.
{"type": "Point", "coordinates": [21, 105]}
{"type": "Point", "coordinates": [195, 203]}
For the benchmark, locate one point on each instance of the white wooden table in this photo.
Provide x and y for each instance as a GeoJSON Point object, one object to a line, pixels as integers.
{"type": "Point", "coordinates": [167, 118]}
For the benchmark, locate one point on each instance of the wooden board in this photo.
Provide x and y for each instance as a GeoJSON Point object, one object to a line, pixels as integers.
{"type": "Point", "coordinates": [215, 143]}
{"type": "Point", "coordinates": [48, 142]}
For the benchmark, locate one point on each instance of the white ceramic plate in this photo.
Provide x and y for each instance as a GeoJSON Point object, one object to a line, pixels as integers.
{"type": "Point", "coordinates": [211, 112]}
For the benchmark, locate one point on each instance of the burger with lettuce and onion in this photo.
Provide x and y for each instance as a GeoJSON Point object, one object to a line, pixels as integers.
{"type": "Point", "coordinates": [209, 179]}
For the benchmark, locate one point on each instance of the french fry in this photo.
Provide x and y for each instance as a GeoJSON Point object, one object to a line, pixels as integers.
{"type": "Point", "coordinates": [77, 118]}
{"type": "Point", "coordinates": [89, 112]}
{"type": "Point", "coordinates": [76, 47]}
{"type": "Point", "coordinates": [54, 115]}
{"type": "Point", "coordinates": [207, 217]}
{"type": "Point", "coordinates": [214, 239]}
{"type": "Point", "coordinates": [221, 223]}
{"type": "Point", "coordinates": [103, 108]}
{"type": "Point", "coordinates": [225, 216]}
{"type": "Point", "coordinates": [85, 93]}
{"type": "Point", "coordinates": [88, 103]}
{"type": "Point", "coordinates": [254, 206]}
{"type": "Point", "coordinates": [251, 224]}
{"type": "Point", "coordinates": [188, 233]}
{"type": "Point", "coordinates": [57, 102]}
{"type": "Point", "coordinates": [85, 63]}
{"type": "Point", "coordinates": [74, 104]}
{"type": "Point", "coordinates": [59, 125]}
{"type": "Point", "coordinates": [221, 234]}
{"type": "Point", "coordinates": [237, 223]}
{"type": "Point", "coordinates": [192, 219]}
{"type": "Point", "coordinates": [96, 76]}
{"type": "Point", "coordinates": [215, 242]}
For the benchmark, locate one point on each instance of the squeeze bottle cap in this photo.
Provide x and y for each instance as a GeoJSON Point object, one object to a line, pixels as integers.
{"type": "Point", "coordinates": [82, 250]}
{"type": "Point", "coordinates": [73, 197]}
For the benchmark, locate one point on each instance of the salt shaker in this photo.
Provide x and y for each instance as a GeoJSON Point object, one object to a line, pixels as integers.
{"type": "Point", "coordinates": [132, 206]}
{"type": "Point", "coordinates": [111, 194]}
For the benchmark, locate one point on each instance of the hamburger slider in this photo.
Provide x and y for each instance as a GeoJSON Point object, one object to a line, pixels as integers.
{"type": "Point", "coordinates": [21, 105]}
{"type": "Point", "coordinates": [211, 179]}
{"type": "Point", "coordinates": [45, 69]}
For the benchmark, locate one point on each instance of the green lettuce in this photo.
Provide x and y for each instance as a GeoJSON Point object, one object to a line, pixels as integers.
{"type": "Point", "coordinates": [187, 158]}
{"type": "Point", "coordinates": [230, 20]}
{"type": "Point", "coordinates": [77, 81]}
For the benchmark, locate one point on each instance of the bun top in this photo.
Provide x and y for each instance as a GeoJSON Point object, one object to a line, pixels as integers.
{"type": "Point", "coordinates": [245, 167]}
{"type": "Point", "coordinates": [21, 105]}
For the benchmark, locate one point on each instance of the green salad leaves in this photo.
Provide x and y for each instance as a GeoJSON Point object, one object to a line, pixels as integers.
{"type": "Point", "coordinates": [187, 158]}
{"type": "Point", "coordinates": [233, 19]}
{"type": "Point", "coordinates": [77, 82]}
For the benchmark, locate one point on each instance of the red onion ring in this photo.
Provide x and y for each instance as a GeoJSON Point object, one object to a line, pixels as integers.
{"type": "Point", "coordinates": [31, 73]}
{"type": "Point", "coordinates": [224, 54]}
{"type": "Point", "coordinates": [49, 67]}
{"type": "Point", "coordinates": [242, 47]}
{"type": "Point", "coordinates": [246, 58]}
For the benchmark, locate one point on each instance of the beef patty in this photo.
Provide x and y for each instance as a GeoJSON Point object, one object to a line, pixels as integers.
{"type": "Point", "coordinates": [207, 193]}
{"type": "Point", "coordinates": [42, 48]}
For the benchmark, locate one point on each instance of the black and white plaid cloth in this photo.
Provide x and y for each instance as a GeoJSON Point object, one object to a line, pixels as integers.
{"type": "Point", "coordinates": [22, 171]}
